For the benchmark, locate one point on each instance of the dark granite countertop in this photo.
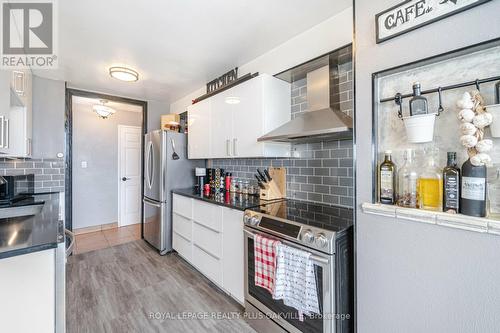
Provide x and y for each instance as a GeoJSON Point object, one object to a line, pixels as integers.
{"type": "Point", "coordinates": [230, 200]}
{"type": "Point", "coordinates": [27, 234]}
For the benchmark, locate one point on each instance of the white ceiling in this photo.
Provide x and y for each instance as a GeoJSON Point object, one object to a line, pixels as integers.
{"type": "Point", "coordinates": [175, 45]}
{"type": "Point", "coordinates": [120, 107]}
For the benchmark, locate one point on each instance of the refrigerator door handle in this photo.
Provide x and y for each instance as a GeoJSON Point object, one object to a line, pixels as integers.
{"type": "Point", "coordinates": [151, 202]}
{"type": "Point", "coordinates": [152, 166]}
{"type": "Point", "coordinates": [149, 165]}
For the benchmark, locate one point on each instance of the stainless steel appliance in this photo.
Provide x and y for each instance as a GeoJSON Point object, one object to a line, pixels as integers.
{"type": "Point", "coordinates": [14, 188]}
{"type": "Point", "coordinates": [324, 231]}
{"type": "Point", "coordinates": [162, 174]}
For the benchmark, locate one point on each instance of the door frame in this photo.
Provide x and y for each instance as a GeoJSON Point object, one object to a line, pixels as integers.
{"type": "Point", "coordinates": [68, 129]}
{"type": "Point", "coordinates": [120, 127]}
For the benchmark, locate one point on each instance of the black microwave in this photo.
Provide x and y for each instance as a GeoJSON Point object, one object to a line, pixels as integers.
{"type": "Point", "coordinates": [14, 188]}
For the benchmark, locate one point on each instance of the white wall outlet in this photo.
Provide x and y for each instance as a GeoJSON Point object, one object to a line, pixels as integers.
{"type": "Point", "coordinates": [84, 164]}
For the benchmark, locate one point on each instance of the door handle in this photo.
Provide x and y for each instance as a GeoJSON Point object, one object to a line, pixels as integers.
{"type": "Point", "coordinates": [125, 179]}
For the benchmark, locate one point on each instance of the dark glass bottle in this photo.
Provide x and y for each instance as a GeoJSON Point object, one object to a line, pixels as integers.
{"type": "Point", "coordinates": [387, 180]}
{"type": "Point", "coordinates": [473, 190]}
{"type": "Point", "coordinates": [451, 185]}
{"type": "Point", "coordinates": [418, 103]}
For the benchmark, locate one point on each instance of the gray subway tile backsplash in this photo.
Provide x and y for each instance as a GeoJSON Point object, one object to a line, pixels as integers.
{"type": "Point", "coordinates": [49, 173]}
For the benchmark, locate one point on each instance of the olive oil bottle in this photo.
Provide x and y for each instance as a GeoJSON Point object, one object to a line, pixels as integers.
{"type": "Point", "coordinates": [430, 184]}
{"type": "Point", "coordinates": [387, 180]}
{"type": "Point", "coordinates": [451, 185]}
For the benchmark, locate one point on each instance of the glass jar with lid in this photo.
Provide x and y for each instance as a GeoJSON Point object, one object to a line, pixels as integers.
{"type": "Point", "coordinates": [407, 195]}
{"type": "Point", "coordinates": [244, 186]}
{"type": "Point", "coordinates": [234, 185]}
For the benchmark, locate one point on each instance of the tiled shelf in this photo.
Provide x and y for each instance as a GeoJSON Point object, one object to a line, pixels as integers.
{"type": "Point", "coordinates": [457, 221]}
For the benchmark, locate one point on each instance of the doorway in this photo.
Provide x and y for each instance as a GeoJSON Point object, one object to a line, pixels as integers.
{"type": "Point", "coordinates": [129, 175]}
{"type": "Point", "coordinates": [104, 164]}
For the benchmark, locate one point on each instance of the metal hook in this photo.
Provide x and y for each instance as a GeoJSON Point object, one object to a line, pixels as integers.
{"type": "Point", "coordinates": [399, 101]}
{"type": "Point", "coordinates": [440, 108]}
{"type": "Point", "coordinates": [477, 85]}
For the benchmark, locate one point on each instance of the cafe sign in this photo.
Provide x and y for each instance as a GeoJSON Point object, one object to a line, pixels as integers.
{"type": "Point", "coordinates": [413, 14]}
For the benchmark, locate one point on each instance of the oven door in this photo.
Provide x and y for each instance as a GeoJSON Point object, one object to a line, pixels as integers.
{"type": "Point", "coordinates": [285, 316]}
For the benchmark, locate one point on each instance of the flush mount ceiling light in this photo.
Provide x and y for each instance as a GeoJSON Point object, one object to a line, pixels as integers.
{"type": "Point", "coordinates": [123, 74]}
{"type": "Point", "coordinates": [232, 100]}
{"type": "Point", "coordinates": [102, 110]}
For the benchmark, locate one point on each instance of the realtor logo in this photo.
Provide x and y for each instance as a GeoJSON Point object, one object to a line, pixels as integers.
{"type": "Point", "coordinates": [28, 32]}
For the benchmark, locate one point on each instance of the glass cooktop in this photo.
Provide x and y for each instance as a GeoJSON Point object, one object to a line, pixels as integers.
{"type": "Point", "coordinates": [328, 217]}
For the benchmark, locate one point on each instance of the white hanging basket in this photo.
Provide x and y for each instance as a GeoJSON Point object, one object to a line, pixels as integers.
{"type": "Point", "coordinates": [494, 110]}
{"type": "Point", "coordinates": [420, 129]}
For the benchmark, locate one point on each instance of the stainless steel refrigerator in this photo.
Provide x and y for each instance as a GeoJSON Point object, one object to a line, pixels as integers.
{"type": "Point", "coordinates": [163, 172]}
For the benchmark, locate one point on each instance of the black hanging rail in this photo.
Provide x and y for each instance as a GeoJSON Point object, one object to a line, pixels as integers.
{"type": "Point", "coordinates": [450, 87]}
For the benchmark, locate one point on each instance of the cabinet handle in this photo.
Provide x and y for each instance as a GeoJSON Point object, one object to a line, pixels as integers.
{"type": "Point", "coordinates": [235, 144]}
{"type": "Point", "coordinates": [7, 133]}
{"type": "Point", "coordinates": [28, 147]}
{"type": "Point", "coordinates": [18, 82]}
{"type": "Point", "coordinates": [228, 147]}
{"type": "Point", "coordinates": [2, 129]}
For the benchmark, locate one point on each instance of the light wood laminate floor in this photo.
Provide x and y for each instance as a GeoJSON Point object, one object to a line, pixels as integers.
{"type": "Point", "coordinates": [118, 289]}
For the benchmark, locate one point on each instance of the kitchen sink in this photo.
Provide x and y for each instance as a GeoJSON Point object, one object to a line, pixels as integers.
{"type": "Point", "coordinates": [10, 212]}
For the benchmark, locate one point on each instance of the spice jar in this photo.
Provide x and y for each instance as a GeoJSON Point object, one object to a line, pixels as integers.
{"type": "Point", "coordinates": [244, 186]}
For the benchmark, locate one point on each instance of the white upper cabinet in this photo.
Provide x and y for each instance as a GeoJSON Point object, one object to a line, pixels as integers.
{"type": "Point", "coordinates": [16, 113]}
{"type": "Point", "coordinates": [238, 117]}
{"type": "Point", "coordinates": [199, 122]}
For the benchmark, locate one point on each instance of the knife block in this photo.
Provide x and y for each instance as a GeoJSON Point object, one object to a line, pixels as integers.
{"type": "Point", "coordinates": [276, 188]}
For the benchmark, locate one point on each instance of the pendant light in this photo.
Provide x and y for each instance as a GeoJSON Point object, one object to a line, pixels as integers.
{"type": "Point", "coordinates": [102, 110]}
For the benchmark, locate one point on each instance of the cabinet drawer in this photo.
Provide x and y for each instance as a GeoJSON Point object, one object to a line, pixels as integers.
{"type": "Point", "coordinates": [208, 215]}
{"type": "Point", "coordinates": [207, 239]}
{"type": "Point", "coordinates": [182, 246]}
{"type": "Point", "coordinates": [182, 226]}
{"type": "Point", "coordinates": [182, 206]}
{"type": "Point", "coordinates": [207, 265]}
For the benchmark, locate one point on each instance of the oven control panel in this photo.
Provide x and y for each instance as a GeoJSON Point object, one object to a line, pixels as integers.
{"type": "Point", "coordinates": [306, 235]}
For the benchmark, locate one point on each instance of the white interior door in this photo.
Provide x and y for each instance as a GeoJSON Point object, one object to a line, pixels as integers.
{"type": "Point", "coordinates": [129, 175]}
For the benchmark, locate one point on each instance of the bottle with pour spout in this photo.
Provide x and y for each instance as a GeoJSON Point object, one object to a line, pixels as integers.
{"type": "Point", "coordinates": [418, 103]}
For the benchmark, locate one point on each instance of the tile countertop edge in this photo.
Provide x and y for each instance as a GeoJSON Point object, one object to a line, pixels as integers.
{"type": "Point", "coordinates": [455, 221]}
{"type": "Point", "coordinates": [189, 193]}
{"type": "Point", "coordinates": [28, 250]}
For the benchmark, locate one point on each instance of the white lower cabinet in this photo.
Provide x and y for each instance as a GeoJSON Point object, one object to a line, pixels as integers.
{"type": "Point", "coordinates": [212, 241]}
{"type": "Point", "coordinates": [207, 264]}
{"type": "Point", "coordinates": [28, 290]}
{"type": "Point", "coordinates": [233, 253]}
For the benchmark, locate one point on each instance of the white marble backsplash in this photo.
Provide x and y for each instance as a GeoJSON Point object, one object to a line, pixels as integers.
{"type": "Point", "coordinates": [391, 132]}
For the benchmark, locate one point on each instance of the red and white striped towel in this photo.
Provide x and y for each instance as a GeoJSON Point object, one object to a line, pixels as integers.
{"type": "Point", "coordinates": [265, 261]}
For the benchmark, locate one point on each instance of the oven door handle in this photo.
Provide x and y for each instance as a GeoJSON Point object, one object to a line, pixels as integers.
{"type": "Point", "coordinates": [313, 257]}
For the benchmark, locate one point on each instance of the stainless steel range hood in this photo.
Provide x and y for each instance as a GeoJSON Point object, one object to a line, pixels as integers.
{"type": "Point", "coordinates": [321, 122]}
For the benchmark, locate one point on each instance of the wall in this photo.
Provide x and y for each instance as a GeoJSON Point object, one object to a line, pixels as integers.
{"type": "Point", "coordinates": [416, 277]}
{"type": "Point", "coordinates": [95, 188]}
{"type": "Point", "coordinates": [320, 39]}
{"type": "Point", "coordinates": [155, 110]}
